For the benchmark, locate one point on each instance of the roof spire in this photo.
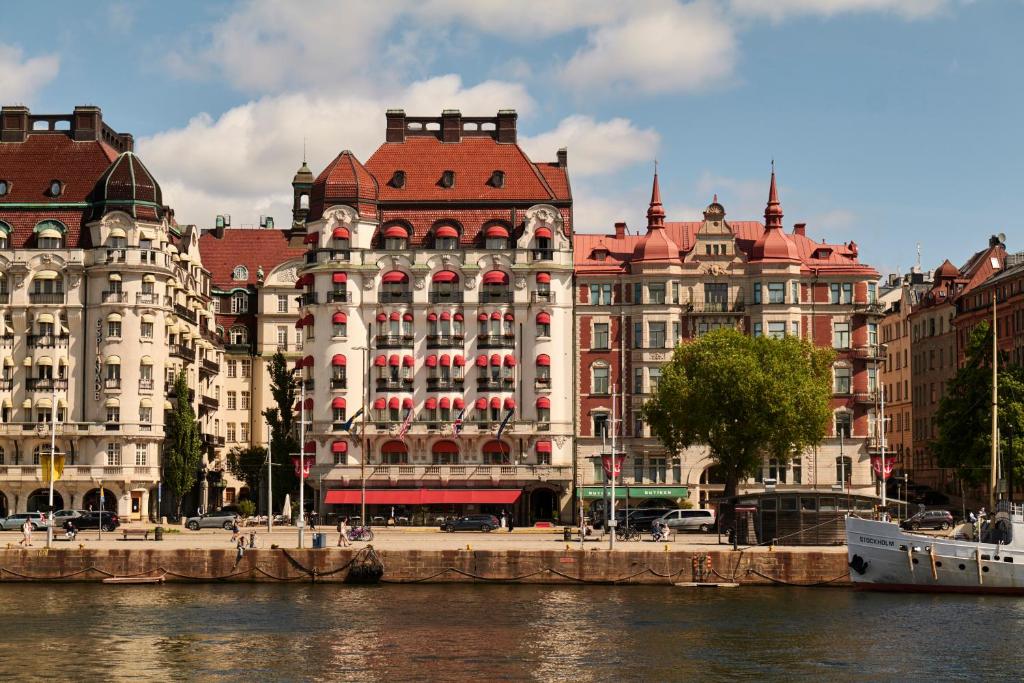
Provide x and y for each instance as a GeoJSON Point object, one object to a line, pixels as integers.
{"type": "Point", "coordinates": [773, 212]}
{"type": "Point", "coordinates": [656, 212]}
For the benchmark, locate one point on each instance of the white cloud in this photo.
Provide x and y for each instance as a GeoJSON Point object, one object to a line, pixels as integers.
{"type": "Point", "coordinates": [666, 47]}
{"type": "Point", "coordinates": [243, 161]}
{"type": "Point", "coordinates": [21, 78]}
{"type": "Point", "coordinates": [777, 10]}
{"type": "Point", "coordinates": [597, 212]}
{"type": "Point", "coordinates": [595, 147]}
{"type": "Point", "coordinates": [744, 200]}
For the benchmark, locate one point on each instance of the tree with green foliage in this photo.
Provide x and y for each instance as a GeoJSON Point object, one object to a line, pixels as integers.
{"type": "Point", "coordinates": [283, 442]}
{"type": "Point", "coordinates": [744, 398]}
{"type": "Point", "coordinates": [248, 464]}
{"type": "Point", "coordinates": [964, 417]}
{"type": "Point", "coordinates": [183, 454]}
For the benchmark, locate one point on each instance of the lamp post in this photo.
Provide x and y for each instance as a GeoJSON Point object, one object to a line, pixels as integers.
{"type": "Point", "coordinates": [50, 463]}
{"type": "Point", "coordinates": [366, 439]}
{"type": "Point", "coordinates": [302, 467]}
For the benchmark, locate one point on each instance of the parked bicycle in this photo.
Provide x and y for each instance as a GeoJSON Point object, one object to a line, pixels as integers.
{"type": "Point", "coordinates": [627, 533]}
{"type": "Point", "coordinates": [360, 533]}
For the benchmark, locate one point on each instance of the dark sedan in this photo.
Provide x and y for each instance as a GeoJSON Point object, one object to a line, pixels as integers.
{"type": "Point", "coordinates": [471, 523]}
{"type": "Point", "coordinates": [93, 520]}
{"type": "Point", "coordinates": [929, 519]}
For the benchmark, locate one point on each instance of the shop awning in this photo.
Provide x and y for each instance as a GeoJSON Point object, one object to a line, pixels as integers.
{"type": "Point", "coordinates": [423, 496]}
{"type": "Point", "coordinates": [637, 492]}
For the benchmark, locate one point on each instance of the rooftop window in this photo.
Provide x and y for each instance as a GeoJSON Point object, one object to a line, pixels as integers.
{"type": "Point", "coordinates": [497, 179]}
{"type": "Point", "coordinates": [397, 180]}
{"type": "Point", "coordinates": [447, 179]}
{"type": "Point", "coordinates": [5, 187]}
{"type": "Point", "coordinates": [240, 273]}
{"type": "Point", "coordinates": [56, 188]}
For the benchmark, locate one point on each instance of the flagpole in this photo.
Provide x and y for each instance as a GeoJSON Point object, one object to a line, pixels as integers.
{"type": "Point", "coordinates": [302, 467]}
{"type": "Point", "coordinates": [50, 462]}
{"type": "Point", "coordinates": [612, 522]}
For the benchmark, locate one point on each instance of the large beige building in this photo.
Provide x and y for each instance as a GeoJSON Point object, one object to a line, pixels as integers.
{"type": "Point", "coordinates": [104, 300]}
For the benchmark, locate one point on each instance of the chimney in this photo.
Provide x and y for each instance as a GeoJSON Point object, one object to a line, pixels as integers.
{"type": "Point", "coordinates": [507, 125]}
{"type": "Point", "coordinates": [451, 125]}
{"type": "Point", "coordinates": [396, 126]}
{"type": "Point", "coordinates": [563, 157]}
{"type": "Point", "coordinates": [620, 230]}
{"type": "Point", "coordinates": [13, 124]}
{"type": "Point", "coordinates": [800, 229]}
{"type": "Point", "coordinates": [86, 123]}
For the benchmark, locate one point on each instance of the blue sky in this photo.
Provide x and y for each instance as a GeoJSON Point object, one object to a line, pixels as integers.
{"type": "Point", "coordinates": [891, 122]}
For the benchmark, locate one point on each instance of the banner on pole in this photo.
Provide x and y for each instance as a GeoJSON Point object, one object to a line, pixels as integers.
{"type": "Point", "coordinates": [308, 462]}
{"type": "Point", "coordinates": [876, 465]}
{"type": "Point", "coordinates": [606, 461]}
{"type": "Point", "coordinates": [53, 467]}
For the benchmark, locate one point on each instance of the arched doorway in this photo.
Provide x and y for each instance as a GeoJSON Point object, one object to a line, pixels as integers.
{"type": "Point", "coordinates": [543, 504]}
{"type": "Point", "coordinates": [91, 500]}
{"type": "Point", "coordinates": [39, 501]}
{"type": "Point", "coordinates": [5, 510]}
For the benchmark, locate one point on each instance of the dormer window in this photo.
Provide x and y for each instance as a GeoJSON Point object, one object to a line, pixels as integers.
{"type": "Point", "coordinates": [56, 188]}
{"type": "Point", "coordinates": [5, 187]}
{"type": "Point", "coordinates": [600, 254]}
{"type": "Point", "coordinates": [497, 179]}
{"type": "Point", "coordinates": [447, 179]}
{"type": "Point", "coordinates": [240, 273]}
{"type": "Point", "coordinates": [397, 180]}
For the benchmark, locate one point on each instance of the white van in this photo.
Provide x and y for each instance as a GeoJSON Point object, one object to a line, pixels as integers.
{"type": "Point", "coordinates": [689, 520]}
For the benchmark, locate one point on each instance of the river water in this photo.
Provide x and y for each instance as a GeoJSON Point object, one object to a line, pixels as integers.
{"type": "Point", "coordinates": [493, 633]}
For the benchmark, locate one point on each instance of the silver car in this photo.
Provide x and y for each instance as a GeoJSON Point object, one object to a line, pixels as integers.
{"type": "Point", "coordinates": [689, 520]}
{"type": "Point", "coordinates": [212, 520]}
{"type": "Point", "coordinates": [15, 522]}
{"type": "Point", "coordinates": [61, 516]}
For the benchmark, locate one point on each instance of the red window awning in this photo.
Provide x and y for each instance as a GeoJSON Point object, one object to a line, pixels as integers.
{"type": "Point", "coordinates": [446, 403]}
{"type": "Point", "coordinates": [380, 361]}
{"type": "Point", "coordinates": [393, 360]}
{"type": "Point", "coordinates": [509, 317]}
{"type": "Point", "coordinates": [544, 446]}
{"type": "Point", "coordinates": [446, 231]}
{"type": "Point", "coordinates": [311, 238]}
{"type": "Point", "coordinates": [430, 403]}
{"type": "Point", "coordinates": [495, 359]}
{"type": "Point", "coordinates": [407, 317]}
{"type": "Point", "coordinates": [446, 276]}
{"type": "Point", "coordinates": [481, 404]}
{"type": "Point", "coordinates": [496, 315]}
{"type": "Point", "coordinates": [408, 362]}
{"type": "Point", "coordinates": [543, 232]}
{"type": "Point", "coordinates": [432, 361]}
{"type": "Point", "coordinates": [445, 447]}
{"type": "Point", "coordinates": [396, 231]}
{"type": "Point", "coordinates": [379, 404]}
{"type": "Point", "coordinates": [510, 361]}
{"type": "Point", "coordinates": [459, 361]}
{"type": "Point", "coordinates": [543, 278]}
{"type": "Point", "coordinates": [496, 231]}
{"type": "Point", "coordinates": [423, 496]}
{"type": "Point", "coordinates": [496, 277]}
{"type": "Point", "coordinates": [394, 447]}
{"type": "Point", "coordinates": [482, 317]}
{"type": "Point", "coordinates": [431, 317]}
{"type": "Point", "coordinates": [481, 361]}
{"type": "Point", "coordinates": [339, 359]}
{"type": "Point", "coordinates": [407, 403]}
{"type": "Point", "coordinates": [339, 447]}
{"type": "Point", "coordinates": [543, 318]}
{"type": "Point", "coordinates": [394, 277]}
{"type": "Point", "coordinates": [446, 315]}
{"type": "Point", "coordinates": [458, 316]}
{"type": "Point", "coordinates": [394, 403]}
{"type": "Point", "coordinates": [543, 359]}
{"type": "Point", "coordinates": [395, 316]}
{"type": "Point", "coordinates": [445, 360]}
{"type": "Point", "coordinates": [510, 404]}
{"type": "Point", "coordinates": [339, 317]}
{"type": "Point", "coordinates": [308, 361]}
{"type": "Point", "coordinates": [495, 446]}
{"type": "Point", "coordinates": [543, 402]}
{"type": "Point", "coordinates": [341, 233]}
{"type": "Point", "coordinates": [309, 404]}
{"type": "Point", "coordinates": [382, 317]}
{"type": "Point", "coordinates": [338, 402]}
{"type": "Point", "coordinates": [339, 277]}
{"type": "Point", "coordinates": [459, 404]}
{"type": "Point", "coordinates": [310, 447]}
{"type": "Point", "coordinates": [495, 402]}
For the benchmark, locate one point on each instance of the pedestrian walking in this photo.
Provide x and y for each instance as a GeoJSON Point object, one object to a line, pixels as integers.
{"type": "Point", "coordinates": [312, 520]}
{"type": "Point", "coordinates": [504, 522]}
{"type": "Point", "coordinates": [511, 522]}
{"type": "Point", "coordinates": [234, 531]}
{"type": "Point", "coordinates": [26, 533]}
{"type": "Point", "coordinates": [343, 541]}
{"type": "Point", "coordinates": [252, 539]}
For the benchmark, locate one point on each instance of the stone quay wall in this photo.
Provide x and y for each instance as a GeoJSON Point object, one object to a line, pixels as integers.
{"type": "Point", "coordinates": [806, 567]}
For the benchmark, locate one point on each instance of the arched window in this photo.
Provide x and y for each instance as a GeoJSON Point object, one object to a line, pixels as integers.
{"type": "Point", "coordinates": [5, 235]}
{"type": "Point", "coordinates": [844, 424]}
{"type": "Point", "coordinates": [240, 273]}
{"type": "Point", "coordinates": [239, 302]}
{"type": "Point", "coordinates": [543, 324]}
{"type": "Point", "coordinates": [50, 234]}
{"type": "Point", "coordinates": [445, 453]}
{"type": "Point", "coordinates": [544, 370]}
{"type": "Point", "coordinates": [497, 453]}
{"type": "Point", "coordinates": [394, 453]}
{"type": "Point", "coordinates": [496, 237]}
{"type": "Point", "coordinates": [396, 238]}
{"type": "Point", "coordinates": [239, 335]}
{"type": "Point", "coordinates": [446, 238]}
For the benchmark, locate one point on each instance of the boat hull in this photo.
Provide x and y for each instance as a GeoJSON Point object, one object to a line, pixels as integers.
{"type": "Point", "coordinates": [884, 557]}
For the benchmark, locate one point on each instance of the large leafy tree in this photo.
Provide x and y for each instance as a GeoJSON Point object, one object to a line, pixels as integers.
{"type": "Point", "coordinates": [248, 464]}
{"type": "Point", "coordinates": [744, 398]}
{"type": "Point", "coordinates": [280, 418]}
{"type": "Point", "coordinates": [964, 417]}
{"type": "Point", "coordinates": [183, 452]}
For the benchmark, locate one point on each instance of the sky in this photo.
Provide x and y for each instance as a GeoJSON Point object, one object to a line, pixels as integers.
{"type": "Point", "coordinates": [892, 123]}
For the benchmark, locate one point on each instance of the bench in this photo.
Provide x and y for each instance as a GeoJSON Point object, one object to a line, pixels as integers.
{"type": "Point", "coordinates": [135, 533]}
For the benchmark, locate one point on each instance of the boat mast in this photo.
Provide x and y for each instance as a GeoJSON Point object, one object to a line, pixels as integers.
{"type": "Point", "coordinates": [993, 480]}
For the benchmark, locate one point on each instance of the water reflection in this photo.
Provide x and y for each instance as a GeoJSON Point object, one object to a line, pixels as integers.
{"type": "Point", "coordinates": [492, 633]}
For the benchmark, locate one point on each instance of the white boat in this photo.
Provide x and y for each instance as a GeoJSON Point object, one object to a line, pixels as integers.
{"type": "Point", "coordinates": [884, 557]}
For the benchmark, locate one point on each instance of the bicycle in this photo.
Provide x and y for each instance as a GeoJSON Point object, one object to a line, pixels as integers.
{"type": "Point", "coordinates": [360, 533]}
{"type": "Point", "coordinates": [627, 533]}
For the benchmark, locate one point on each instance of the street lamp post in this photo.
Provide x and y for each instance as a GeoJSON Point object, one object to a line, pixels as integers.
{"type": "Point", "coordinates": [366, 438]}
{"type": "Point", "coordinates": [302, 467]}
{"type": "Point", "coordinates": [51, 463]}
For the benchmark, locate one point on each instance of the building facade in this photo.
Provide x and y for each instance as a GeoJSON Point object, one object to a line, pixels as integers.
{"type": "Point", "coordinates": [437, 297]}
{"type": "Point", "coordinates": [104, 301]}
{"type": "Point", "coordinates": [638, 296]}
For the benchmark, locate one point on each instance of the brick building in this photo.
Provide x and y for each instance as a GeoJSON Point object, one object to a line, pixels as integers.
{"type": "Point", "coordinates": [638, 296]}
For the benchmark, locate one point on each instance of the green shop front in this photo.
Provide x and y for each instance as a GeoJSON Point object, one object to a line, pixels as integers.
{"type": "Point", "coordinates": [629, 497]}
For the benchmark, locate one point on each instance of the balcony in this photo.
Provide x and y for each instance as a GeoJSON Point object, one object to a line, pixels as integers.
{"type": "Point", "coordinates": [543, 297]}
{"type": "Point", "coordinates": [445, 383]}
{"type": "Point", "coordinates": [183, 312]}
{"type": "Point", "coordinates": [325, 255]}
{"type": "Point", "coordinates": [868, 352]}
{"type": "Point", "coordinates": [45, 384]}
{"type": "Point", "coordinates": [436, 297]}
{"type": "Point", "coordinates": [114, 297]}
{"type": "Point", "coordinates": [182, 351]}
{"type": "Point", "coordinates": [208, 403]}
{"type": "Point", "coordinates": [212, 440]}
{"type": "Point", "coordinates": [112, 383]}
{"type": "Point", "coordinates": [445, 341]}
{"type": "Point", "coordinates": [210, 366]}
{"type": "Point", "coordinates": [339, 383]}
{"type": "Point", "coordinates": [47, 341]}
{"type": "Point", "coordinates": [501, 297]}
{"type": "Point", "coordinates": [117, 256]}
{"type": "Point", "coordinates": [147, 299]}
{"type": "Point", "coordinates": [715, 307]}
{"type": "Point", "coordinates": [476, 472]}
{"type": "Point", "coordinates": [393, 341]}
{"type": "Point", "coordinates": [872, 310]}
{"type": "Point", "coordinates": [308, 384]}
{"type": "Point", "coordinates": [338, 296]}
{"type": "Point", "coordinates": [388, 384]}
{"type": "Point", "coordinates": [308, 299]}
{"type": "Point", "coordinates": [46, 297]}
{"type": "Point", "coordinates": [171, 393]}
{"type": "Point", "coordinates": [386, 297]}
{"type": "Point", "coordinates": [543, 383]}
{"type": "Point", "coordinates": [239, 348]}
{"type": "Point", "coordinates": [542, 254]}
{"type": "Point", "coordinates": [84, 473]}
{"type": "Point", "coordinates": [146, 385]}
{"type": "Point", "coordinates": [496, 341]}
{"type": "Point", "coordinates": [868, 397]}
{"type": "Point", "coordinates": [500, 384]}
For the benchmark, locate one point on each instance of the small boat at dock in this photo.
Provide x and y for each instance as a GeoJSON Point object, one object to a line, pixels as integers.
{"type": "Point", "coordinates": [133, 580]}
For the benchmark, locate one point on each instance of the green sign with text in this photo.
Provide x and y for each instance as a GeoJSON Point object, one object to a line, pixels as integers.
{"type": "Point", "coordinates": [594, 492]}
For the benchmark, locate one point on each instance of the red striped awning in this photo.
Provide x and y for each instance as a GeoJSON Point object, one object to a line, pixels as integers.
{"type": "Point", "coordinates": [394, 277]}
{"type": "Point", "coordinates": [496, 277]}
{"type": "Point", "coordinates": [446, 276]}
{"type": "Point", "coordinates": [543, 278]}
{"type": "Point", "coordinates": [543, 402]}
{"type": "Point", "coordinates": [543, 232]}
{"type": "Point", "coordinates": [339, 317]}
{"type": "Point", "coordinates": [339, 277]}
{"type": "Point", "coordinates": [446, 231]}
{"type": "Point", "coordinates": [423, 496]}
{"type": "Point", "coordinates": [340, 233]}
{"type": "Point", "coordinates": [339, 359]}
{"type": "Point", "coordinates": [496, 231]}
{"type": "Point", "coordinates": [338, 402]}
{"type": "Point", "coordinates": [396, 231]}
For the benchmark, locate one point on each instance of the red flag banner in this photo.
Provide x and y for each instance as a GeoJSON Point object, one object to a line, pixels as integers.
{"type": "Point", "coordinates": [309, 460]}
{"type": "Point", "coordinates": [606, 461]}
{"type": "Point", "coordinates": [876, 465]}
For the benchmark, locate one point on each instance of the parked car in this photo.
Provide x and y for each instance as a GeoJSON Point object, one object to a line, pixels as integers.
{"type": "Point", "coordinates": [929, 519]}
{"type": "Point", "coordinates": [689, 520]}
{"type": "Point", "coordinates": [471, 523]}
{"type": "Point", "coordinates": [94, 519]}
{"type": "Point", "coordinates": [61, 516]}
{"type": "Point", "coordinates": [212, 520]}
{"type": "Point", "coordinates": [15, 522]}
{"type": "Point", "coordinates": [641, 518]}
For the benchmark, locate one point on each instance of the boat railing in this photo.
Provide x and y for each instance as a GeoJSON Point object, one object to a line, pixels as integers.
{"type": "Point", "coordinates": [1015, 511]}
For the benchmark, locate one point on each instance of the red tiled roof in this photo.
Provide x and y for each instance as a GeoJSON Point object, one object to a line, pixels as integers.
{"type": "Point", "coordinates": [249, 247]}
{"type": "Point", "coordinates": [473, 159]}
{"type": "Point", "coordinates": [558, 179]}
{"type": "Point", "coordinates": [30, 166]}
{"type": "Point", "coordinates": [344, 181]}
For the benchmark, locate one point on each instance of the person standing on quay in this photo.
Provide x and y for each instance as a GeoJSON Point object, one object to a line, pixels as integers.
{"type": "Point", "coordinates": [503, 520]}
{"type": "Point", "coordinates": [343, 533]}
{"type": "Point", "coordinates": [511, 522]}
{"type": "Point", "coordinates": [26, 533]}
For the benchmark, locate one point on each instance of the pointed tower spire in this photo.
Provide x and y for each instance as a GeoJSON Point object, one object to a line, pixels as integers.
{"type": "Point", "coordinates": [656, 212]}
{"type": "Point", "coordinates": [773, 212]}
